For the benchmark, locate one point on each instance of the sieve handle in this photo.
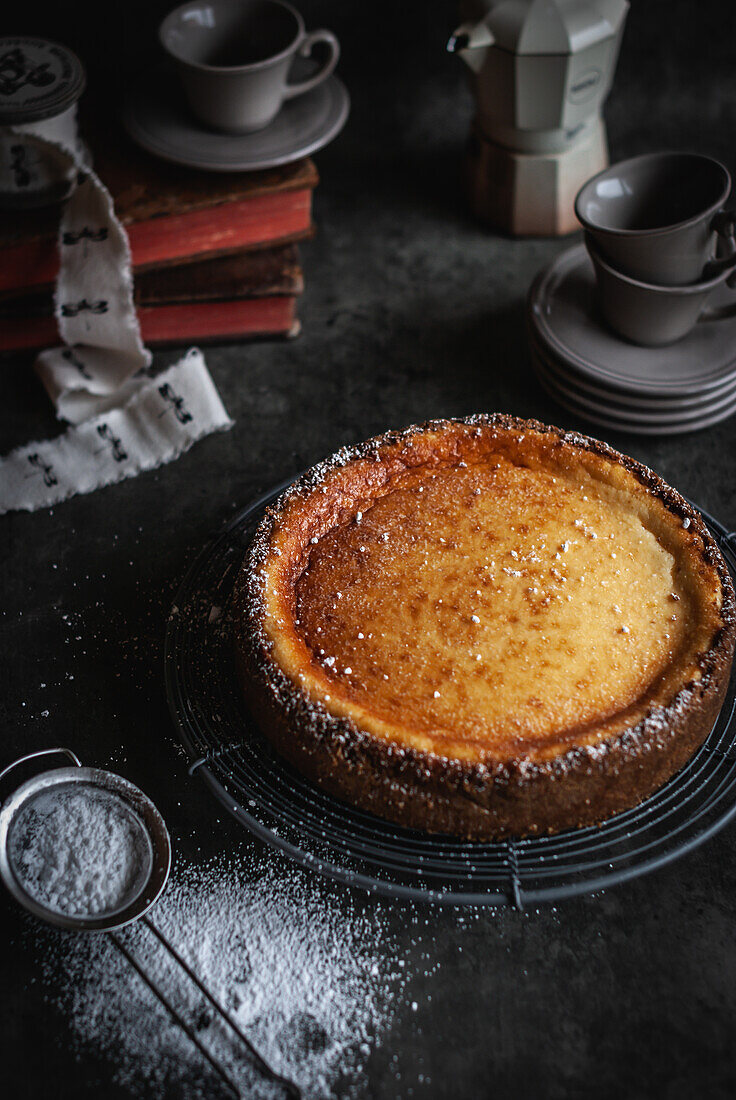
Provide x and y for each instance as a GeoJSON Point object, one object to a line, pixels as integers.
{"type": "Point", "coordinates": [290, 1089]}
{"type": "Point", "coordinates": [40, 752]}
{"type": "Point", "coordinates": [164, 1000]}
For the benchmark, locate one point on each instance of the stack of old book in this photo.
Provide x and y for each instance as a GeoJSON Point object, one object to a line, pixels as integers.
{"type": "Point", "coordinates": [214, 256]}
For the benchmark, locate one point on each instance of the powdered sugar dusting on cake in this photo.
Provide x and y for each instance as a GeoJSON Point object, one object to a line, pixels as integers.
{"type": "Point", "coordinates": [656, 727]}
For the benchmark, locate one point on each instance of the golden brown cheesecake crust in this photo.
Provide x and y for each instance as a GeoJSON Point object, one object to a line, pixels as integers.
{"type": "Point", "coordinates": [485, 627]}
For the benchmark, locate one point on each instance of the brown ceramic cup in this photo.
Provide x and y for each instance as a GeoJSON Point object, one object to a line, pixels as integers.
{"type": "Point", "coordinates": [660, 218]}
{"type": "Point", "coordinates": [652, 315]}
{"type": "Point", "coordinates": [234, 58]}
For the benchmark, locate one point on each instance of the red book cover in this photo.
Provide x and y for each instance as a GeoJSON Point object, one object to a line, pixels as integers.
{"type": "Point", "coordinates": [234, 297]}
{"type": "Point", "coordinates": [167, 326]}
{"type": "Point", "coordinates": [172, 214]}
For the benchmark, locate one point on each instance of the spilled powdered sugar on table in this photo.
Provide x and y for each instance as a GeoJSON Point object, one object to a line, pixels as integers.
{"type": "Point", "coordinates": [310, 979]}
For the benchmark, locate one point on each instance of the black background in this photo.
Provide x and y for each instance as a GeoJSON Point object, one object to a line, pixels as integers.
{"type": "Point", "coordinates": [411, 310]}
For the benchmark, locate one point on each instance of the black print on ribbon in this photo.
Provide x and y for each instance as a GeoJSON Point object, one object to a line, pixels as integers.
{"type": "Point", "coordinates": [73, 309]}
{"type": "Point", "coordinates": [49, 477]}
{"type": "Point", "coordinates": [19, 165]}
{"type": "Point", "coordinates": [16, 70]}
{"type": "Point", "coordinates": [105, 432]}
{"type": "Point", "coordinates": [176, 404]}
{"type": "Point", "coordinates": [75, 361]}
{"type": "Point", "coordinates": [86, 234]}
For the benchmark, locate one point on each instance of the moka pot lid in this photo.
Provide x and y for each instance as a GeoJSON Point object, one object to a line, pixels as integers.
{"type": "Point", "coordinates": [557, 27]}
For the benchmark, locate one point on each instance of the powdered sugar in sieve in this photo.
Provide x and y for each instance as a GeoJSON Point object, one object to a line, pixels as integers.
{"type": "Point", "coordinates": [80, 850]}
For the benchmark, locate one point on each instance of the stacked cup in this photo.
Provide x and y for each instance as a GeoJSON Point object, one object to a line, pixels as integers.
{"type": "Point", "coordinates": [636, 330]}
{"type": "Point", "coordinates": [661, 243]}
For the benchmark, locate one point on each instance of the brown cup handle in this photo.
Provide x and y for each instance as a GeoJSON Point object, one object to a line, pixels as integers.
{"type": "Point", "coordinates": [719, 313]}
{"type": "Point", "coordinates": [724, 224]}
{"type": "Point", "coordinates": [305, 50]}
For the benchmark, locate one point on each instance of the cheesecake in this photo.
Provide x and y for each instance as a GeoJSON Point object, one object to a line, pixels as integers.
{"type": "Point", "coordinates": [484, 627]}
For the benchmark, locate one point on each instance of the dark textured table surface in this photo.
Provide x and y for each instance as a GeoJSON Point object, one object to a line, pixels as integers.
{"type": "Point", "coordinates": [411, 311]}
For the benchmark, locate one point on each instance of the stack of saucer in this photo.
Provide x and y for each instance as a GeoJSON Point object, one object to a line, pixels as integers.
{"type": "Point", "coordinates": [598, 375]}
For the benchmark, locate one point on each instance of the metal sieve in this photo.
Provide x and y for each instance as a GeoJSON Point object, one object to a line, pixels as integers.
{"type": "Point", "coordinates": [148, 829]}
{"type": "Point", "coordinates": [152, 846]}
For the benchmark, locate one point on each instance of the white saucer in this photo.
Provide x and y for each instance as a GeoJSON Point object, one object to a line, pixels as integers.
{"type": "Point", "coordinates": [603, 396]}
{"type": "Point", "coordinates": [563, 315]}
{"type": "Point", "coordinates": [622, 419]}
{"type": "Point", "coordinates": [156, 117]}
{"type": "Point", "coordinates": [634, 415]}
{"type": "Point", "coordinates": [634, 429]}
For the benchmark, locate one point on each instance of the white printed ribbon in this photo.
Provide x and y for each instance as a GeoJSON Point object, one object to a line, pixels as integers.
{"type": "Point", "coordinates": [159, 421]}
{"type": "Point", "coordinates": [98, 380]}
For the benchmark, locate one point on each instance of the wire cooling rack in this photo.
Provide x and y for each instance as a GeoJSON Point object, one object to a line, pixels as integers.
{"type": "Point", "coordinates": [278, 805]}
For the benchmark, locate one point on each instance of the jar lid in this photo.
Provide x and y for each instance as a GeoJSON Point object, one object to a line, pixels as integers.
{"type": "Point", "coordinates": [38, 80]}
